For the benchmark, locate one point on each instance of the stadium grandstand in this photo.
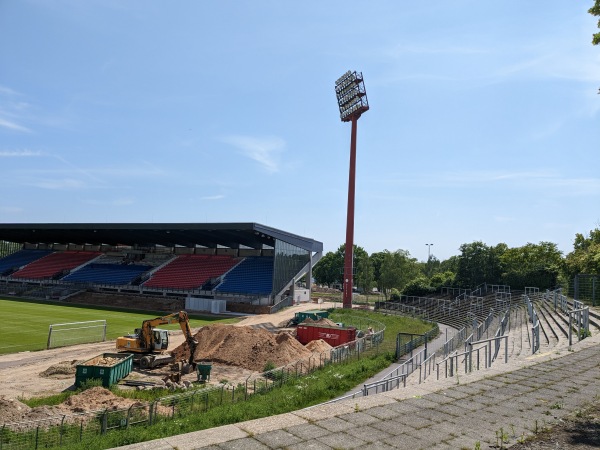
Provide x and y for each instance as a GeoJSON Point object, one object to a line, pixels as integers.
{"type": "Point", "coordinates": [240, 265]}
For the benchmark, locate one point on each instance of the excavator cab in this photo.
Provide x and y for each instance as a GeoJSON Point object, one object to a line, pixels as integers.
{"type": "Point", "coordinates": [149, 344]}
{"type": "Point", "coordinates": [160, 339]}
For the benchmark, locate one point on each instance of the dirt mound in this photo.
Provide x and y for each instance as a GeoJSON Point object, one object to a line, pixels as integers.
{"type": "Point", "coordinates": [63, 368]}
{"type": "Point", "coordinates": [318, 346]}
{"type": "Point", "coordinates": [250, 348]}
{"type": "Point", "coordinates": [95, 399]}
{"type": "Point", "coordinates": [323, 321]}
{"type": "Point", "coordinates": [12, 410]}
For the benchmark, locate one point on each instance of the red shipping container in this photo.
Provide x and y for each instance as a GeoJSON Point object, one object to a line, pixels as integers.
{"type": "Point", "coordinates": [334, 336]}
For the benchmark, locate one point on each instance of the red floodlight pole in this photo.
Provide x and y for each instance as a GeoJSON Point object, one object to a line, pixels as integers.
{"type": "Point", "coordinates": [352, 101]}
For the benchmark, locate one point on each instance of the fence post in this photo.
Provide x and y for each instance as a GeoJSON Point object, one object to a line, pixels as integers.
{"type": "Point", "coordinates": [151, 413]}
{"type": "Point", "coordinates": [62, 422]}
{"type": "Point", "coordinates": [104, 426]}
{"type": "Point", "coordinates": [570, 329]}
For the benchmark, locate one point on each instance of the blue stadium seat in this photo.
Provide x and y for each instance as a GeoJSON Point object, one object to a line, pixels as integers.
{"type": "Point", "coordinates": [254, 275]}
{"type": "Point", "coordinates": [19, 259]}
{"type": "Point", "coordinates": [116, 274]}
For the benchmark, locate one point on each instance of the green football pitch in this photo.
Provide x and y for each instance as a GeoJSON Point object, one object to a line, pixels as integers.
{"type": "Point", "coordinates": [24, 325]}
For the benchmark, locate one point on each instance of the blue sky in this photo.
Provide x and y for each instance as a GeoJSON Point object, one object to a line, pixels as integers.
{"type": "Point", "coordinates": [484, 120]}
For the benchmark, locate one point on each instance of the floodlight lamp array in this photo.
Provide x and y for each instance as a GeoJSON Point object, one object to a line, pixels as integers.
{"type": "Point", "coordinates": [351, 95]}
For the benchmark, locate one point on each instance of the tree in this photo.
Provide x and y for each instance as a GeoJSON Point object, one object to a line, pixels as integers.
{"type": "Point", "coordinates": [397, 270]}
{"type": "Point", "coordinates": [419, 287]}
{"type": "Point", "coordinates": [330, 268]}
{"type": "Point", "coordinates": [364, 272]}
{"type": "Point", "coordinates": [327, 270]}
{"type": "Point", "coordinates": [432, 266]}
{"type": "Point", "coordinates": [595, 11]}
{"type": "Point", "coordinates": [535, 265]}
{"type": "Point", "coordinates": [585, 257]}
{"type": "Point", "coordinates": [376, 262]}
{"type": "Point", "coordinates": [449, 265]}
{"type": "Point", "coordinates": [442, 279]}
{"type": "Point", "coordinates": [479, 263]}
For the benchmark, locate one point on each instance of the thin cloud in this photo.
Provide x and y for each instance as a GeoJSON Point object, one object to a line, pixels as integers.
{"type": "Point", "coordinates": [63, 184]}
{"type": "Point", "coordinates": [13, 126]}
{"type": "Point", "coordinates": [213, 197]}
{"type": "Point", "coordinates": [8, 91]}
{"type": "Point", "coordinates": [19, 153]}
{"type": "Point", "coordinates": [264, 151]}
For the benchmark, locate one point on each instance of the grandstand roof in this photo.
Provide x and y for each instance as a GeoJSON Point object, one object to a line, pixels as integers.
{"type": "Point", "coordinates": [231, 235]}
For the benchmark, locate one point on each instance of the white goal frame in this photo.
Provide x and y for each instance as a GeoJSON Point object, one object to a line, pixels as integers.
{"type": "Point", "coordinates": [76, 333]}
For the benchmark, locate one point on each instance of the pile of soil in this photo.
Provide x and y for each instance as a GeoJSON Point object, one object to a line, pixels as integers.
{"type": "Point", "coordinates": [323, 321]}
{"type": "Point", "coordinates": [63, 369]}
{"type": "Point", "coordinates": [95, 399]}
{"type": "Point", "coordinates": [12, 410]}
{"type": "Point", "coordinates": [318, 346]}
{"type": "Point", "coordinates": [247, 347]}
{"type": "Point", "coordinates": [103, 361]}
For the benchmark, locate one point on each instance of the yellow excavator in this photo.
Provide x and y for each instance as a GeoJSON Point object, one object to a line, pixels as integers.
{"type": "Point", "coordinates": [149, 344]}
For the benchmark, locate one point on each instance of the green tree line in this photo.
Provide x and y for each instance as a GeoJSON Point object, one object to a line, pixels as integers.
{"type": "Point", "coordinates": [540, 265]}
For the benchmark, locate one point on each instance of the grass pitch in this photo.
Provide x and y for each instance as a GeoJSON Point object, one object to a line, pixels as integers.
{"type": "Point", "coordinates": [25, 324]}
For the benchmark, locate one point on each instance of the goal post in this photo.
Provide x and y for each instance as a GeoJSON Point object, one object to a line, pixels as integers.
{"type": "Point", "coordinates": [64, 334]}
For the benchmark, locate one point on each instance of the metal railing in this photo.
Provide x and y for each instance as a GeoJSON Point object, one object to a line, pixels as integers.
{"type": "Point", "coordinates": [579, 319]}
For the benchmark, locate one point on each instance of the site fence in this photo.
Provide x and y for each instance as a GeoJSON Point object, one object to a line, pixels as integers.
{"type": "Point", "coordinates": [586, 288]}
{"type": "Point", "coordinates": [404, 346]}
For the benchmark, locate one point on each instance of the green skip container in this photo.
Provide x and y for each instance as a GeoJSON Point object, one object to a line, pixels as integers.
{"type": "Point", "coordinates": [108, 367]}
{"type": "Point", "coordinates": [314, 314]}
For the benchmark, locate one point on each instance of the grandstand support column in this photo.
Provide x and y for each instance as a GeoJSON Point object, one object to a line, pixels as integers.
{"type": "Point", "coordinates": [349, 250]}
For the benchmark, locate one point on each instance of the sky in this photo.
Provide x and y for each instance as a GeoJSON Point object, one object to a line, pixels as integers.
{"type": "Point", "coordinates": [484, 120]}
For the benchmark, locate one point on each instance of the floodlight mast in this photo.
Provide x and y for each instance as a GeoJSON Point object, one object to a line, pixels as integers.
{"type": "Point", "coordinates": [352, 101]}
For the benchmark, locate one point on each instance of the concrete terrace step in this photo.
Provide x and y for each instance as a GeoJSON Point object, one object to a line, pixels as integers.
{"type": "Point", "coordinates": [512, 399]}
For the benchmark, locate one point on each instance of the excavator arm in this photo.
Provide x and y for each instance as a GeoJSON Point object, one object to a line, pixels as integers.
{"type": "Point", "coordinates": [181, 317]}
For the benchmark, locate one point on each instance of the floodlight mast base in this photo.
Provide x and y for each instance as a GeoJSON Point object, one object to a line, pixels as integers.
{"type": "Point", "coordinates": [349, 250]}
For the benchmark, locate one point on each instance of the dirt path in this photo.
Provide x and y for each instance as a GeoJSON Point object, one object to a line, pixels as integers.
{"type": "Point", "coordinates": [20, 372]}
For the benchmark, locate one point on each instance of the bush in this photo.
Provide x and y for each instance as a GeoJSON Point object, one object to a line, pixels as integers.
{"type": "Point", "coordinates": [419, 287]}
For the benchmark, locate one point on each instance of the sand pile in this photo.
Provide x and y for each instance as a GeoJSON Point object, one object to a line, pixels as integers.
{"type": "Point", "coordinates": [323, 321]}
{"type": "Point", "coordinates": [60, 370]}
{"type": "Point", "coordinates": [95, 399]}
{"type": "Point", "coordinates": [318, 346]}
{"type": "Point", "coordinates": [250, 348]}
{"type": "Point", "coordinates": [12, 410]}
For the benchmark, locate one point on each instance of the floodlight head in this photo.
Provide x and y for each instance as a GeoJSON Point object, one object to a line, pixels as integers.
{"type": "Point", "coordinates": [351, 95]}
